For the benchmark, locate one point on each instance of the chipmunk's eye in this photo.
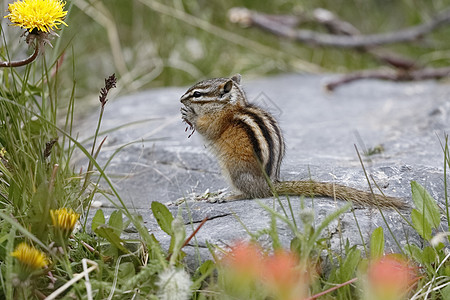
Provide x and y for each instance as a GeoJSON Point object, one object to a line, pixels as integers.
{"type": "Point", "coordinates": [197, 94]}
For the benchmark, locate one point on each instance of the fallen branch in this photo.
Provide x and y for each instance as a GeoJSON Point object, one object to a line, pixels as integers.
{"type": "Point", "coordinates": [412, 75]}
{"type": "Point", "coordinates": [337, 26]}
{"type": "Point", "coordinates": [344, 35]}
{"type": "Point", "coordinates": [334, 25]}
{"type": "Point", "coordinates": [268, 23]}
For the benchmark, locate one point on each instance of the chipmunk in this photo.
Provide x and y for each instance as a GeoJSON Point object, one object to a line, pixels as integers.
{"type": "Point", "coordinates": [249, 145]}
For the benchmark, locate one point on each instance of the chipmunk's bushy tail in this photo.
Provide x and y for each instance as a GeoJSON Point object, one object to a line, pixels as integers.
{"type": "Point", "coordinates": [328, 189]}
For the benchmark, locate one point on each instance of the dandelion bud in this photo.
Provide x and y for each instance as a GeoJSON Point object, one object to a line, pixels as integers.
{"type": "Point", "coordinates": [307, 216]}
{"type": "Point", "coordinates": [64, 220]}
{"type": "Point", "coordinates": [174, 284]}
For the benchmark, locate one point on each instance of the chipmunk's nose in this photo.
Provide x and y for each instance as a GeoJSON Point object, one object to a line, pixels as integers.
{"type": "Point", "coordinates": [184, 98]}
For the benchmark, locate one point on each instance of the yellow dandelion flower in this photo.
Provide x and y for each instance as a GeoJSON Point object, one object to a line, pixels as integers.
{"type": "Point", "coordinates": [43, 15]}
{"type": "Point", "coordinates": [64, 219]}
{"type": "Point", "coordinates": [30, 257]}
{"type": "Point", "coordinates": [2, 152]}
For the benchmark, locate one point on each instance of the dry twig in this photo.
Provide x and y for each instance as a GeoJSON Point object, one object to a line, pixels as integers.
{"type": "Point", "coordinates": [270, 24]}
{"type": "Point", "coordinates": [392, 75]}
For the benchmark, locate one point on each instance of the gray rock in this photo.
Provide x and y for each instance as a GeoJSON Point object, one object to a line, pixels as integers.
{"type": "Point", "coordinates": [407, 119]}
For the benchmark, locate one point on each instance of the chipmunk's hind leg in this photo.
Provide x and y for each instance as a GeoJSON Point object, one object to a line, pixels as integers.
{"type": "Point", "coordinates": [250, 186]}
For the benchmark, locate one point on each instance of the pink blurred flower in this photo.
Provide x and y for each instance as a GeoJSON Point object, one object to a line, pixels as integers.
{"type": "Point", "coordinates": [390, 277]}
{"type": "Point", "coordinates": [245, 259]}
{"type": "Point", "coordinates": [285, 277]}
{"type": "Point", "coordinates": [279, 275]}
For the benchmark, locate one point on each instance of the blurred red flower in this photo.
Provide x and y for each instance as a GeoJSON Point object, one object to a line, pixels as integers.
{"type": "Point", "coordinates": [285, 277]}
{"type": "Point", "coordinates": [390, 277]}
{"type": "Point", "coordinates": [244, 258]}
{"type": "Point", "coordinates": [280, 275]}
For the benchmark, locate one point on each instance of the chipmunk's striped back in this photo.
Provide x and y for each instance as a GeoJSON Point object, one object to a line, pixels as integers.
{"type": "Point", "coordinates": [265, 138]}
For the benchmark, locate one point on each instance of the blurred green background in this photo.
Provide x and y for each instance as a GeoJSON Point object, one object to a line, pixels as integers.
{"type": "Point", "coordinates": [178, 42]}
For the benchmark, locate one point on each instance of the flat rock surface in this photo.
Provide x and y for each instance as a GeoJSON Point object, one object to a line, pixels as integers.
{"type": "Point", "coordinates": [406, 121]}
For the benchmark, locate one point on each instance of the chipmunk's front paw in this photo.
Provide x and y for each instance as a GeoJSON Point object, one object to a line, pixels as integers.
{"type": "Point", "coordinates": [188, 115]}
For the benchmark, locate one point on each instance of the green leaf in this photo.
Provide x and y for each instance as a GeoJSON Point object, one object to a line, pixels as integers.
{"type": "Point", "coordinates": [425, 204]}
{"type": "Point", "coordinates": [445, 292]}
{"type": "Point", "coordinates": [348, 268]}
{"type": "Point", "coordinates": [163, 217]}
{"type": "Point", "coordinates": [207, 267]}
{"type": "Point", "coordinates": [429, 256]}
{"type": "Point", "coordinates": [377, 243]}
{"type": "Point", "coordinates": [344, 272]}
{"type": "Point", "coordinates": [126, 271]}
{"type": "Point", "coordinates": [421, 224]}
{"type": "Point", "coordinates": [109, 234]}
{"type": "Point", "coordinates": [116, 222]}
{"type": "Point", "coordinates": [39, 212]}
{"type": "Point", "coordinates": [296, 245]}
{"type": "Point", "coordinates": [415, 252]}
{"type": "Point", "coordinates": [150, 240]}
{"type": "Point", "coordinates": [99, 219]}
{"type": "Point", "coordinates": [446, 271]}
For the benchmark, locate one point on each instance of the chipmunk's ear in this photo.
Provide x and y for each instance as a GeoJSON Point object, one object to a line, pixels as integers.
{"type": "Point", "coordinates": [227, 87]}
{"type": "Point", "coordinates": [236, 78]}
